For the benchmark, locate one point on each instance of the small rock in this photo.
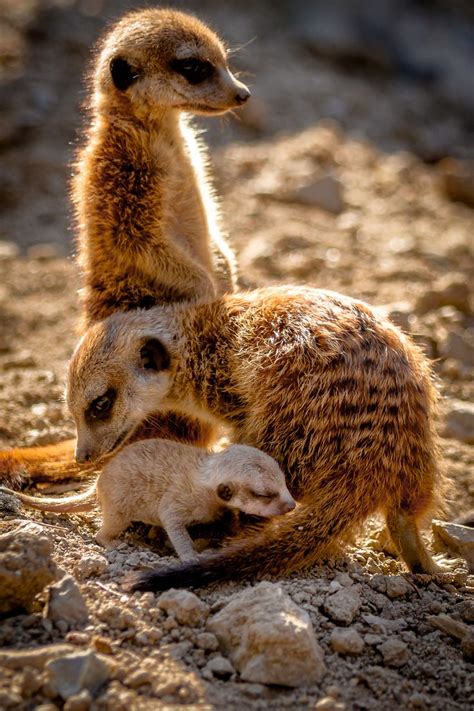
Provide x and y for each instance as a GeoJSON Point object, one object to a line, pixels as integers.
{"type": "Point", "coordinates": [220, 667]}
{"type": "Point", "coordinates": [397, 586]}
{"type": "Point", "coordinates": [78, 702]}
{"type": "Point", "coordinates": [8, 250]}
{"type": "Point", "coordinates": [138, 678]}
{"type": "Point", "coordinates": [450, 290]}
{"type": "Point", "coordinates": [325, 193]}
{"type": "Point", "coordinates": [66, 604]}
{"type": "Point", "coordinates": [26, 566]}
{"type": "Point", "coordinates": [269, 639]}
{"type": "Point", "coordinates": [207, 641]}
{"type": "Point", "coordinates": [71, 674]}
{"type": "Point", "coordinates": [457, 180]}
{"type": "Point", "coordinates": [184, 606]}
{"type": "Point", "coordinates": [91, 564]}
{"type": "Point", "coordinates": [347, 641]}
{"type": "Point", "coordinates": [459, 422]}
{"type": "Point", "coordinates": [456, 538]}
{"type": "Point", "coordinates": [343, 606]}
{"type": "Point", "coordinates": [394, 652]}
{"type": "Point", "coordinates": [467, 645]}
{"type": "Point", "coordinates": [329, 703]}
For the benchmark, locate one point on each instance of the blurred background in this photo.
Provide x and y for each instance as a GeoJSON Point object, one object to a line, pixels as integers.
{"type": "Point", "coordinates": [350, 169]}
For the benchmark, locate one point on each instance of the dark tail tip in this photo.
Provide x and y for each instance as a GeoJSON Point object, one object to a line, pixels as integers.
{"type": "Point", "coordinates": [183, 575]}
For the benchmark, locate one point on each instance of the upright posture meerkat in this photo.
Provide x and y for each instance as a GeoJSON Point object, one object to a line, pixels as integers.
{"type": "Point", "coordinates": [173, 485]}
{"type": "Point", "coordinates": [148, 224]}
{"type": "Point", "coordinates": [333, 391]}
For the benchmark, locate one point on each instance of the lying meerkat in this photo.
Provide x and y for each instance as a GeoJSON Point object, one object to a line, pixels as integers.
{"type": "Point", "coordinates": [174, 485]}
{"type": "Point", "coordinates": [328, 387]}
{"type": "Point", "coordinates": [148, 223]}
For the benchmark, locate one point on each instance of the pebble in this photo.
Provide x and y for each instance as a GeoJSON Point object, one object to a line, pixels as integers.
{"type": "Point", "coordinates": [26, 566]}
{"type": "Point", "coordinates": [70, 674]}
{"type": "Point", "coordinates": [325, 192]}
{"type": "Point", "coordinates": [66, 605]}
{"type": "Point", "coordinates": [394, 652]}
{"type": "Point", "coordinates": [219, 667]}
{"type": "Point", "coordinates": [346, 641]}
{"type": "Point", "coordinates": [397, 586]}
{"type": "Point", "coordinates": [269, 639]}
{"type": "Point", "coordinates": [78, 702]}
{"type": "Point", "coordinates": [207, 641]}
{"type": "Point", "coordinates": [329, 703]}
{"type": "Point", "coordinates": [343, 605]}
{"type": "Point", "coordinates": [185, 606]}
{"type": "Point", "coordinates": [91, 564]}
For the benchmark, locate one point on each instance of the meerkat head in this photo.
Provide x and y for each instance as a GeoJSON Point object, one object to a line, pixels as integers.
{"type": "Point", "coordinates": [247, 479]}
{"type": "Point", "coordinates": [117, 375]}
{"type": "Point", "coordinates": [166, 59]}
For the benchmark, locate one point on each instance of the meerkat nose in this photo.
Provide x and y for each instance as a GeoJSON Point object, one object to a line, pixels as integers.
{"type": "Point", "coordinates": [82, 456]}
{"type": "Point", "coordinates": [242, 95]}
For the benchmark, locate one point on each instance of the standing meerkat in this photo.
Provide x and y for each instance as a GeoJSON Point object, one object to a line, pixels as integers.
{"type": "Point", "coordinates": [174, 485]}
{"type": "Point", "coordinates": [148, 224]}
{"type": "Point", "coordinates": [333, 391]}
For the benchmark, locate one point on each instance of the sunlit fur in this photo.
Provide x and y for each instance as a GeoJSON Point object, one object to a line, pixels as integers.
{"type": "Point", "coordinates": [174, 485]}
{"type": "Point", "coordinates": [333, 391]}
{"type": "Point", "coordinates": [147, 221]}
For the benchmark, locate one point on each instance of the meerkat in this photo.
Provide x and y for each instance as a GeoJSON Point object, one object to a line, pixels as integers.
{"type": "Point", "coordinates": [334, 392]}
{"type": "Point", "coordinates": [174, 485]}
{"type": "Point", "coordinates": [145, 209]}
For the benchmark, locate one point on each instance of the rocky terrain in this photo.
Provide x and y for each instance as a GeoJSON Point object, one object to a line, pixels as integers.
{"type": "Point", "coordinates": [346, 171]}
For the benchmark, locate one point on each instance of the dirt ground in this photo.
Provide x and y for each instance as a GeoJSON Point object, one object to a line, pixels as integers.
{"type": "Point", "coordinates": [331, 177]}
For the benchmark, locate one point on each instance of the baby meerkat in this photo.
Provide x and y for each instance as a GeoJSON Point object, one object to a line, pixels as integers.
{"type": "Point", "coordinates": [147, 218]}
{"type": "Point", "coordinates": [321, 382]}
{"type": "Point", "coordinates": [174, 485]}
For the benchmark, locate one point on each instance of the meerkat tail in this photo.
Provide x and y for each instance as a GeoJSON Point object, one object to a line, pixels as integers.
{"type": "Point", "coordinates": [66, 504]}
{"type": "Point", "coordinates": [292, 542]}
{"type": "Point", "coordinates": [49, 463]}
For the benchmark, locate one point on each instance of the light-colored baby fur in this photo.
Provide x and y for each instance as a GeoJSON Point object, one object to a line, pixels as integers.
{"type": "Point", "coordinates": [174, 485]}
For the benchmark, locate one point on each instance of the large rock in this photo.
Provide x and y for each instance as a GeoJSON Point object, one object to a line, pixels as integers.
{"type": "Point", "coordinates": [26, 566]}
{"type": "Point", "coordinates": [65, 603]}
{"type": "Point", "coordinates": [269, 639]}
{"type": "Point", "coordinates": [450, 290]}
{"type": "Point", "coordinates": [459, 421]}
{"type": "Point", "coordinates": [71, 674]}
{"type": "Point", "coordinates": [457, 539]}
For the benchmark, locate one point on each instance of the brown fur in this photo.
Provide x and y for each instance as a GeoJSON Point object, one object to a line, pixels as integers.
{"type": "Point", "coordinates": [148, 225]}
{"type": "Point", "coordinates": [333, 391]}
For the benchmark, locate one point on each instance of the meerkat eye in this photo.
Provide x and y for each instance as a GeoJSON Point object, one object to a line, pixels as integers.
{"type": "Point", "coordinates": [267, 495]}
{"type": "Point", "coordinates": [195, 71]}
{"type": "Point", "coordinates": [101, 407]}
{"type": "Point", "coordinates": [123, 74]}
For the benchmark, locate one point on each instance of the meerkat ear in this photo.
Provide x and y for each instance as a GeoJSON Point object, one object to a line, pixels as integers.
{"type": "Point", "coordinates": [123, 74]}
{"type": "Point", "coordinates": [225, 492]}
{"type": "Point", "coordinates": [154, 355]}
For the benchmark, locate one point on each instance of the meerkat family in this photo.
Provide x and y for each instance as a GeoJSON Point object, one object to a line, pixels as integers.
{"type": "Point", "coordinates": [339, 397]}
{"type": "Point", "coordinates": [335, 393]}
{"type": "Point", "coordinates": [174, 485]}
{"type": "Point", "coordinates": [147, 218]}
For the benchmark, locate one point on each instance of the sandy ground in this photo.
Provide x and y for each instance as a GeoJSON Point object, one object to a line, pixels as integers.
{"type": "Point", "coordinates": [330, 178]}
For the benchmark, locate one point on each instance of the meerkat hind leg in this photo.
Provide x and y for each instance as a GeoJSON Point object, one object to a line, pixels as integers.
{"type": "Point", "coordinates": [407, 539]}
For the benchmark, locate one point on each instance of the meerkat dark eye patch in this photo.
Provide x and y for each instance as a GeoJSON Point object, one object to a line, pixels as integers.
{"type": "Point", "coordinates": [154, 355]}
{"type": "Point", "coordinates": [101, 407]}
{"type": "Point", "coordinates": [123, 74]}
{"type": "Point", "coordinates": [195, 71]}
{"type": "Point", "coordinates": [225, 492]}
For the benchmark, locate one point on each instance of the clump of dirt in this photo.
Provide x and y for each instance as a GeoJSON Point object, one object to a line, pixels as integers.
{"type": "Point", "coordinates": [349, 199]}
